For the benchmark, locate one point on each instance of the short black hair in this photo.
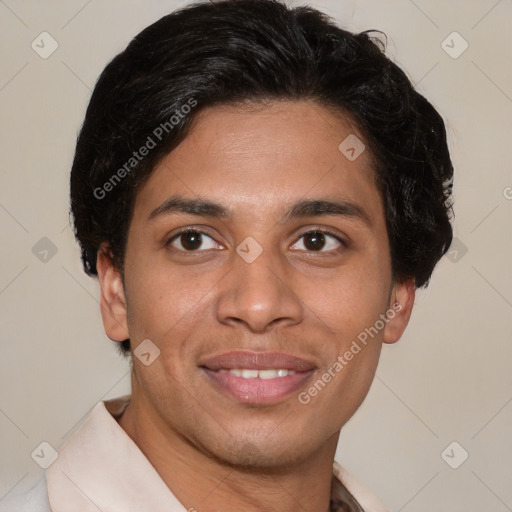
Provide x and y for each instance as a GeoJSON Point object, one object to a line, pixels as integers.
{"type": "Point", "coordinates": [243, 51]}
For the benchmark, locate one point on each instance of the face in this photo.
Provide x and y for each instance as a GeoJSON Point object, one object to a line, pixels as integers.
{"type": "Point", "coordinates": [257, 257]}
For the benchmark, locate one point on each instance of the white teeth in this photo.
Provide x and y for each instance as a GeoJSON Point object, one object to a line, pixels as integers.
{"type": "Point", "coordinates": [261, 374]}
{"type": "Point", "coordinates": [269, 374]}
{"type": "Point", "coordinates": [250, 374]}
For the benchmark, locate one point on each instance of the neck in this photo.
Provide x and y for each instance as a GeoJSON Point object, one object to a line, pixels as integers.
{"type": "Point", "coordinates": [203, 483]}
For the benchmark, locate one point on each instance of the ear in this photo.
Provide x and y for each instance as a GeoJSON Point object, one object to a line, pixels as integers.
{"type": "Point", "coordinates": [112, 300]}
{"type": "Point", "coordinates": [399, 310]}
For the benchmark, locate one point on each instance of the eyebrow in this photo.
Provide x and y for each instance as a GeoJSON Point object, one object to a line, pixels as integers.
{"type": "Point", "coordinates": [305, 208]}
{"type": "Point", "coordinates": [319, 207]}
{"type": "Point", "coordinates": [179, 204]}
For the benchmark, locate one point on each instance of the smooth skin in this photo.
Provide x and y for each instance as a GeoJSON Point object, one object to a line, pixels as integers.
{"type": "Point", "coordinates": [196, 297]}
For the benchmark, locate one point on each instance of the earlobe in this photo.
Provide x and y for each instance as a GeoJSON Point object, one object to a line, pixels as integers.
{"type": "Point", "coordinates": [399, 310]}
{"type": "Point", "coordinates": [112, 298]}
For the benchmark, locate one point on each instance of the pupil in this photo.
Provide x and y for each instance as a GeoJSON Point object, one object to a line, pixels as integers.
{"type": "Point", "coordinates": [191, 240]}
{"type": "Point", "coordinates": [314, 241]}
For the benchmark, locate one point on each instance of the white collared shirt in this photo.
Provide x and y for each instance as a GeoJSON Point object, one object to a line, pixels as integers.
{"type": "Point", "coordinates": [100, 468]}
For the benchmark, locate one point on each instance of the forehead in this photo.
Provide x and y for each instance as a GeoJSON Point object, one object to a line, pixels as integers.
{"type": "Point", "coordinates": [266, 157]}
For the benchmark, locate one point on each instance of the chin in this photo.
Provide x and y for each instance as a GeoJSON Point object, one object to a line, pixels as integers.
{"type": "Point", "coordinates": [251, 453]}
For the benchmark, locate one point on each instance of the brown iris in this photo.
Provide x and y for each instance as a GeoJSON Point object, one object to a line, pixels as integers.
{"type": "Point", "coordinates": [191, 240]}
{"type": "Point", "coordinates": [314, 241]}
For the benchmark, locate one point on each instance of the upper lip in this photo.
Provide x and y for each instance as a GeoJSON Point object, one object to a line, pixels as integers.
{"type": "Point", "coordinates": [258, 361]}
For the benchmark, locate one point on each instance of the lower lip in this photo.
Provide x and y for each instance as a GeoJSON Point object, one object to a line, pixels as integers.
{"type": "Point", "coordinates": [258, 391]}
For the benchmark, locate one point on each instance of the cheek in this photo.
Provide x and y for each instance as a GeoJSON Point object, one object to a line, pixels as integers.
{"type": "Point", "coordinates": [172, 310]}
{"type": "Point", "coordinates": [161, 301]}
{"type": "Point", "coordinates": [357, 303]}
{"type": "Point", "coordinates": [334, 402]}
{"type": "Point", "coordinates": [349, 302]}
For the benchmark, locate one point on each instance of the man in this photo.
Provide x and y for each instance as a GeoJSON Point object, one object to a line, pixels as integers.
{"type": "Point", "coordinates": [259, 193]}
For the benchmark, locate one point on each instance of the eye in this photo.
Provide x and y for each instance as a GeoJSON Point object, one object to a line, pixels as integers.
{"type": "Point", "coordinates": [319, 241]}
{"type": "Point", "coordinates": [192, 240]}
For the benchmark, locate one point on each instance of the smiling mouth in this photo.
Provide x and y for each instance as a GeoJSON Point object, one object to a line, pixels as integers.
{"type": "Point", "coordinates": [257, 378]}
{"type": "Point", "coordinates": [247, 373]}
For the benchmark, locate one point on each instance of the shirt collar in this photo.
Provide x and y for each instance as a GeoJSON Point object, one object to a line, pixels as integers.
{"type": "Point", "coordinates": [100, 468]}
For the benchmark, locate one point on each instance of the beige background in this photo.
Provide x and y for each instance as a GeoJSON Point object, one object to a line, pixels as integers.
{"type": "Point", "coordinates": [447, 380]}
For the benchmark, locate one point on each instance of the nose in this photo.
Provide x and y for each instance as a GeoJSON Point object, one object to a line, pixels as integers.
{"type": "Point", "coordinates": [259, 295]}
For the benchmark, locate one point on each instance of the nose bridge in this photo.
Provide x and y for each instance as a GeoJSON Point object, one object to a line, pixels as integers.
{"type": "Point", "coordinates": [256, 291]}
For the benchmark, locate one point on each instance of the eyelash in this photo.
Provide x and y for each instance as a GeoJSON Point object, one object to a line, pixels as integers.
{"type": "Point", "coordinates": [324, 231]}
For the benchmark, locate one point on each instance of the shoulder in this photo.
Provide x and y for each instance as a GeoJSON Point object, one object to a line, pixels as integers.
{"type": "Point", "coordinates": [367, 501]}
{"type": "Point", "coordinates": [33, 497]}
